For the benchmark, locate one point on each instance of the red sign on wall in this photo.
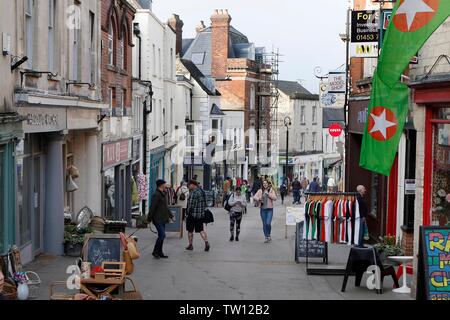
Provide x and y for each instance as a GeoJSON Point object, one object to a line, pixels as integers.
{"type": "Point", "coordinates": [116, 153]}
{"type": "Point", "coordinates": [335, 130]}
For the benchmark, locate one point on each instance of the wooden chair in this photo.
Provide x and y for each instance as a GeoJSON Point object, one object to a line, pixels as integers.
{"type": "Point", "coordinates": [359, 260]}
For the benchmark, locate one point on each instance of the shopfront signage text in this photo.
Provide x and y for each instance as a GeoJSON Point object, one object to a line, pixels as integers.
{"type": "Point", "coordinates": [116, 153]}
{"type": "Point", "coordinates": [43, 119]}
{"type": "Point", "coordinates": [435, 260]}
{"type": "Point", "coordinates": [365, 25]}
{"type": "Point", "coordinates": [362, 116]}
{"type": "Point", "coordinates": [336, 82]}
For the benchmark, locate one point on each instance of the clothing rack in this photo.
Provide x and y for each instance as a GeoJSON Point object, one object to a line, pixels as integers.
{"type": "Point", "coordinates": [329, 270]}
{"type": "Point", "coordinates": [331, 193]}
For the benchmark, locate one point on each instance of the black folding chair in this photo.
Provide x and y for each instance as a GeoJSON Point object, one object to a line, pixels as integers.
{"type": "Point", "coordinates": [359, 260]}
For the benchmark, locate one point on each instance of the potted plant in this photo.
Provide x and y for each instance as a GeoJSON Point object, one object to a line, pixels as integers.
{"type": "Point", "coordinates": [74, 240]}
{"type": "Point", "coordinates": [389, 247]}
{"type": "Point", "coordinates": [442, 207]}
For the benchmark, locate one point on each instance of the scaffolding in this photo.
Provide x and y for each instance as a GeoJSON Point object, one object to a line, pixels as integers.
{"type": "Point", "coordinates": [268, 98]}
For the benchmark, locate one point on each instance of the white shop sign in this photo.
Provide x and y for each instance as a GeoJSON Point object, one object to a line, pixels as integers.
{"type": "Point", "coordinates": [410, 186]}
{"type": "Point", "coordinates": [43, 119]}
{"type": "Point", "coordinates": [294, 215]}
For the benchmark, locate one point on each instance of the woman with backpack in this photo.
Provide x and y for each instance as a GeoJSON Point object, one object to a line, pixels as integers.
{"type": "Point", "coordinates": [182, 196]}
{"type": "Point", "coordinates": [238, 204]}
{"type": "Point", "coordinates": [266, 197]}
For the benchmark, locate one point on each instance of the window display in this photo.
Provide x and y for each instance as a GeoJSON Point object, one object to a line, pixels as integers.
{"type": "Point", "coordinates": [441, 170]}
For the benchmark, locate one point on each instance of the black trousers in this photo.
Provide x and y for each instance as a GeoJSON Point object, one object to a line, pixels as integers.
{"type": "Point", "coordinates": [235, 220]}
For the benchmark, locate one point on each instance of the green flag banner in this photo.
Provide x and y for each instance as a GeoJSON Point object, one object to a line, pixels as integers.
{"type": "Point", "coordinates": [388, 110]}
{"type": "Point", "coordinates": [412, 23]}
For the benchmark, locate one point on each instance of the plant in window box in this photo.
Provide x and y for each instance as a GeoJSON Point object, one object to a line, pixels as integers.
{"type": "Point", "coordinates": [442, 207]}
{"type": "Point", "coordinates": [74, 240]}
{"type": "Point", "coordinates": [389, 247]}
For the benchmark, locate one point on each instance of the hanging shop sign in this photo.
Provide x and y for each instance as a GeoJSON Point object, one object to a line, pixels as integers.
{"type": "Point", "coordinates": [335, 130]}
{"type": "Point", "coordinates": [328, 99]}
{"type": "Point", "coordinates": [116, 153]}
{"type": "Point", "coordinates": [336, 82]}
{"type": "Point", "coordinates": [434, 264]}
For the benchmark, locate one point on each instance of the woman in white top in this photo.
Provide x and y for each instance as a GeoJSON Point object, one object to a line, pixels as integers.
{"type": "Point", "coordinates": [182, 196]}
{"type": "Point", "coordinates": [238, 203]}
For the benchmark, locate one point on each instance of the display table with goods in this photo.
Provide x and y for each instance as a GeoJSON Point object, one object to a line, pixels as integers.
{"type": "Point", "coordinates": [105, 264]}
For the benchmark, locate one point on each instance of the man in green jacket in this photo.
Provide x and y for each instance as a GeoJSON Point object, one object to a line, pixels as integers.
{"type": "Point", "coordinates": [160, 215]}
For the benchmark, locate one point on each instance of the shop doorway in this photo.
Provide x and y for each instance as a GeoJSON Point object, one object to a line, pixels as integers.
{"type": "Point", "coordinates": [37, 218]}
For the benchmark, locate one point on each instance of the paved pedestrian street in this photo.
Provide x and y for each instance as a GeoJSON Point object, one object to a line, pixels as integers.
{"type": "Point", "coordinates": [248, 269]}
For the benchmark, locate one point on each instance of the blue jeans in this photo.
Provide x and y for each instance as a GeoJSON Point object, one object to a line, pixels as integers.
{"type": "Point", "coordinates": [266, 217]}
{"type": "Point", "coordinates": [296, 194]}
{"type": "Point", "coordinates": [161, 228]}
{"type": "Point", "coordinates": [361, 231]}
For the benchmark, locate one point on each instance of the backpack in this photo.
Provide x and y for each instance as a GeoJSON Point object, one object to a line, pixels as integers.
{"type": "Point", "coordinates": [226, 204]}
{"type": "Point", "coordinates": [182, 196]}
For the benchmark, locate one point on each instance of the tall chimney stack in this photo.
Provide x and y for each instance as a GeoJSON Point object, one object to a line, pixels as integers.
{"type": "Point", "coordinates": [220, 37]}
{"type": "Point", "coordinates": [176, 25]}
{"type": "Point", "coordinates": [201, 26]}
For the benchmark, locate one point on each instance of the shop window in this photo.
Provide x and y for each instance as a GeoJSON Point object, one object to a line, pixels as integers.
{"type": "Point", "coordinates": [440, 214]}
{"type": "Point", "coordinates": [110, 200]}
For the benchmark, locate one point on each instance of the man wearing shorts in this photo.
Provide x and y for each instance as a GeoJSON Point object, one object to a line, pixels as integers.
{"type": "Point", "coordinates": [195, 214]}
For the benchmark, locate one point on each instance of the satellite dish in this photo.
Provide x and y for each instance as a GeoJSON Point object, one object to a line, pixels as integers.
{"type": "Point", "coordinates": [84, 218]}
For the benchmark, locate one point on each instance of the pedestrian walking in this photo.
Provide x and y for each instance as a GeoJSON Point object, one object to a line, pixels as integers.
{"type": "Point", "coordinates": [182, 196]}
{"type": "Point", "coordinates": [160, 215]}
{"type": "Point", "coordinates": [325, 183]}
{"type": "Point", "coordinates": [238, 205]}
{"type": "Point", "coordinates": [296, 187]}
{"type": "Point", "coordinates": [195, 214]}
{"type": "Point", "coordinates": [283, 191]}
{"type": "Point", "coordinates": [314, 186]}
{"type": "Point", "coordinates": [331, 185]}
{"type": "Point", "coordinates": [266, 197]}
{"type": "Point", "coordinates": [362, 212]}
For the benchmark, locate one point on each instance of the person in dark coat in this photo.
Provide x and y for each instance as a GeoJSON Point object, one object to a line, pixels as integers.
{"type": "Point", "coordinates": [160, 215]}
{"type": "Point", "coordinates": [363, 209]}
{"type": "Point", "coordinates": [314, 186]}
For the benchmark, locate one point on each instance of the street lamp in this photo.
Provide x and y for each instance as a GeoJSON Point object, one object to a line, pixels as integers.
{"type": "Point", "coordinates": [287, 123]}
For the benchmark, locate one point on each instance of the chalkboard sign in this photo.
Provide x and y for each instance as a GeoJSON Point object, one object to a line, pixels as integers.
{"type": "Point", "coordinates": [176, 226]}
{"type": "Point", "coordinates": [103, 248]}
{"type": "Point", "coordinates": [434, 264]}
{"type": "Point", "coordinates": [310, 248]}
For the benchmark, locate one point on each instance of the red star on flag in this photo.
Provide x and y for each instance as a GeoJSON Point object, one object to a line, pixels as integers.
{"type": "Point", "coordinates": [382, 124]}
{"type": "Point", "coordinates": [413, 15]}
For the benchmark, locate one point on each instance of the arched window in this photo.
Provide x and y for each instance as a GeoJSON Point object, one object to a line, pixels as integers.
{"type": "Point", "coordinates": [123, 49]}
{"type": "Point", "coordinates": [111, 43]}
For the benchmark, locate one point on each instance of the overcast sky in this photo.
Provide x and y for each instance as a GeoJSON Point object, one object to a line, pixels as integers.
{"type": "Point", "coordinates": [306, 32]}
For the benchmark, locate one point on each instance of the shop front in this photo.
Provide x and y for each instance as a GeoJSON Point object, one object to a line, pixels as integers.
{"type": "Point", "coordinates": [433, 102]}
{"type": "Point", "coordinates": [117, 163]}
{"type": "Point", "coordinates": [10, 130]}
{"type": "Point", "coordinates": [40, 181]}
{"type": "Point", "coordinates": [157, 168]}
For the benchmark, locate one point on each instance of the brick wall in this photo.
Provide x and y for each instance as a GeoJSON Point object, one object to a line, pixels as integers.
{"type": "Point", "coordinates": [113, 76]}
{"type": "Point", "coordinates": [408, 242]}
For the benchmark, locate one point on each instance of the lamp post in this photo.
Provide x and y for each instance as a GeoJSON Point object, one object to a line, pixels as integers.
{"type": "Point", "coordinates": [287, 123]}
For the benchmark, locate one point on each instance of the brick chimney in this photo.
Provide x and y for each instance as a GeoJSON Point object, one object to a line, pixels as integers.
{"type": "Point", "coordinates": [176, 25]}
{"type": "Point", "coordinates": [220, 36]}
{"type": "Point", "coordinates": [200, 27]}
